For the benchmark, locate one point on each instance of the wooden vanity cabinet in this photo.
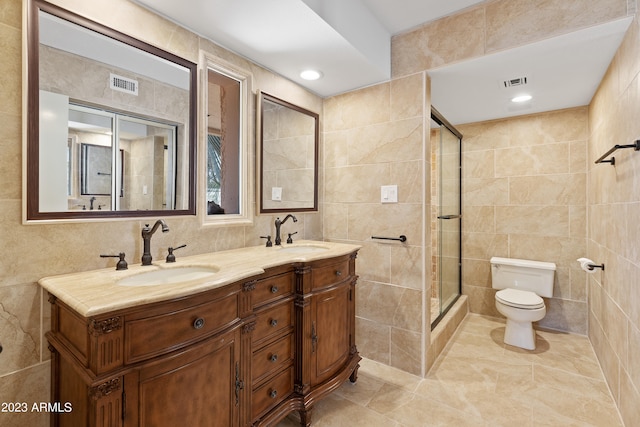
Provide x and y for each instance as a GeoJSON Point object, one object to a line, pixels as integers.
{"type": "Point", "coordinates": [245, 354]}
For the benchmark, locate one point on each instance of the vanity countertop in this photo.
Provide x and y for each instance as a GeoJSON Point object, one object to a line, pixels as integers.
{"type": "Point", "coordinates": [95, 292]}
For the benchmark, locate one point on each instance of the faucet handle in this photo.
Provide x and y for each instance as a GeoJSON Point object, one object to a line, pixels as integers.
{"type": "Point", "coordinates": [171, 257]}
{"type": "Point", "coordinates": [290, 240]}
{"type": "Point", "coordinates": [122, 263]}
{"type": "Point", "coordinates": [269, 242]}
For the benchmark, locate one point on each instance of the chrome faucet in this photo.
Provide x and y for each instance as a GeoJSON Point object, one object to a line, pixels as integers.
{"type": "Point", "coordinates": [146, 239]}
{"type": "Point", "coordinates": [279, 223]}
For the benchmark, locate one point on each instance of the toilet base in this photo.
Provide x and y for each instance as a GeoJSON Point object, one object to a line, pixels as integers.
{"type": "Point", "coordinates": [520, 334]}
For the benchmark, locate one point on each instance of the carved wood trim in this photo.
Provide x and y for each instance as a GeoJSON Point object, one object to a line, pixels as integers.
{"type": "Point", "coordinates": [305, 269]}
{"type": "Point", "coordinates": [301, 301]}
{"type": "Point", "coordinates": [249, 327]}
{"type": "Point", "coordinates": [105, 389]}
{"type": "Point", "coordinates": [52, 298]}
{"type": "Point", "coordinates": [97, 328]}
{"type": "Point", "coordinates": [249, 286]}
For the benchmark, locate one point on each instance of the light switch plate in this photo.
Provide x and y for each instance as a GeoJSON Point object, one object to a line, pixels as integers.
{"type": "Point", "coordinates": [389, 194]}
{"type": "Point", "coordinates": [276, 194]}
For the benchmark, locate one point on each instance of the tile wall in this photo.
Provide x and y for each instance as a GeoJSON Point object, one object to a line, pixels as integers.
{"type": "Point", "coordinates": [374, 137]}
{"type": "Point", "coordinates": [614, 227]}
{"type": "Point", "coordinates": [524, 196]}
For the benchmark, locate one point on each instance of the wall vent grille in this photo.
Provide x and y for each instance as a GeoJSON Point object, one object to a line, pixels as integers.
{"type": "Point", "coordinates": [518, 81]}
{"type": "Point", "coordinates": [123, 84]}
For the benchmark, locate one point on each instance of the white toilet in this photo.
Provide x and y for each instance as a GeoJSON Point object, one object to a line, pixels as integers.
{"type": "Point", "coordinates": [521, 282]}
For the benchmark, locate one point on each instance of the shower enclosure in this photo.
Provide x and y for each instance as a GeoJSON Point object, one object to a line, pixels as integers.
{"type": "Point", "coordinates": [446, 162]}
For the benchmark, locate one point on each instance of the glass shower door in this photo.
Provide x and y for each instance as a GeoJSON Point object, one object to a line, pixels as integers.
{"type": "Point", "coordinates": [449, 215]}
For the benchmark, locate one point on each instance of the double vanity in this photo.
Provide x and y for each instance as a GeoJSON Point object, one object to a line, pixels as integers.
{"type": "Point", "coordinates": [235, 338]}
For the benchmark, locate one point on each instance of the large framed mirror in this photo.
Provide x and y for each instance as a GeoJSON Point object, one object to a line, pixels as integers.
{"type": "Point", "coordinates": [288, 156]}
{"type": "Point", "coordinates": [111, 122]}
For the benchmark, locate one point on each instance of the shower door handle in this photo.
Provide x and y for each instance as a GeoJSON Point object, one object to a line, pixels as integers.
{"type": "Point", "coordinates": [449, 216]}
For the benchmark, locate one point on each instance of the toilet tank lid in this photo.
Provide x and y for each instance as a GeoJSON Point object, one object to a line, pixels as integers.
{"type": "Point", "coordinates": [523, 263]}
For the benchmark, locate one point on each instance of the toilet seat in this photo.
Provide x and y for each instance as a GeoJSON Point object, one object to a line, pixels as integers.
{"type": "Point", "coordinates": [517, 298]}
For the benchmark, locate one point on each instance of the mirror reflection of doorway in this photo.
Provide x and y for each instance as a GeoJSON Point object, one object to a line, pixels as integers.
{"type": "Point", "coordinates": [447, 252]}
{"type": "Point", "coordinates": [123, 162]}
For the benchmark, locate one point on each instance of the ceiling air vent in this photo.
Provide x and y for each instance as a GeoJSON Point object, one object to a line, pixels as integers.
{"type": "Point", "coordinates": [518, 81]}
{"type": "Point", "coordinates": [123, 84]}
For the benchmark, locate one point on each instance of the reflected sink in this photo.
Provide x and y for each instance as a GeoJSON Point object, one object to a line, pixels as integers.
{"type": "Point", "coordinates": [168, 276]}
{"type": "Point", "coordinates": [304, 249]}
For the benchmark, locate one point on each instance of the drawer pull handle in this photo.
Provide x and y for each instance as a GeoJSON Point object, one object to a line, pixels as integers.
{"type": "Point", "coordinates": [338, 273]}
{"type": "Point", "coordinates": [274, 322]}
{"type": "Point", "coordinates": [273, 394]}
{"type": "Point", "coordinates": [274, 357]}
{"type": "Point", "coordinates": [274, 289]}
{"type": "Point", "coordinates": [198, 323]}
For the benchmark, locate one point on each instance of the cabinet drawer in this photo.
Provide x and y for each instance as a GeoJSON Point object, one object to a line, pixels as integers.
{"type": "Point", "coordinates": [273, 321]}
{"type": "Point", "coordinates": [331, 274]}
{"type": "Point", "coordinates": [169, 331]}
{"type": "Point", "coordinates": [267, 396]}
{"type": "Point", "coordinates": [272, 288]}
{"type": "Point", "coordinates": [272, 358]}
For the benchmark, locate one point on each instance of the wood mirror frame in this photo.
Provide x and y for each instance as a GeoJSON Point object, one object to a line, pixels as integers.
{"type": "Point", "coordinates": [304, 168]}
{"type": "Point", "coordinates": [31, 160]}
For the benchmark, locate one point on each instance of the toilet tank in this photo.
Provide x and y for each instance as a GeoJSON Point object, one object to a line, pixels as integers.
{"type": "Point", "coordinates": [523, 274]}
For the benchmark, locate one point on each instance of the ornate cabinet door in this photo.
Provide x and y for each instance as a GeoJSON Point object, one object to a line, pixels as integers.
{"type": "Point", "coordinates": [330, 332]}
{"type": "Point", "coordinates": [201, 386]}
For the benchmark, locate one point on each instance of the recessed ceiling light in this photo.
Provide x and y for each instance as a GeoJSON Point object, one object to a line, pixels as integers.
{"type": "Point", "coordinates": [311, 74]}
{"type": "Point", "coordinates": [521, 98]}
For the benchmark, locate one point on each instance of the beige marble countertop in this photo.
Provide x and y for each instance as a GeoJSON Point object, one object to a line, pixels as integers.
{"type": "Point", "coordinates": [95, 292]}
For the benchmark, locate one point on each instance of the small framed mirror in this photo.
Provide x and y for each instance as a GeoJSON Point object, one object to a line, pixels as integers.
{"type": "Point", "coordinates": [111, 122]}
{"type": "Point", "coordinates": [287, 155]}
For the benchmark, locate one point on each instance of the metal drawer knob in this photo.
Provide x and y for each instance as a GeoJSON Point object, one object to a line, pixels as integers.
{"type": "Point", "coordinates": [198, 323]}
{"type": "Point", "coordinates": [274, 357]}
{"type": "Point", "coordinates": [274, 322]}
{"type": "Point", "coordinates": [273, 394]}
{"type": "Point", "coordinates": [338, 273]}
{"type": "Point", "coordinates": [274, 289]}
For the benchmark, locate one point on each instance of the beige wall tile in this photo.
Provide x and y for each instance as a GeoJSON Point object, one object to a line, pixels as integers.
{"type": "Point", "coordinates": [533, 220]}
{"type": "Point", "coordinates": [628, 402]}
{"type": "Point", "coordinates": [407, 99]}
{"type": "Point", "coordinates": [373, 340]}
{"type": "Point", "coordinates": [560, 190]}
{"type": "Point", "coordinates": [440, 42]}
{"type": "Point", "coordinates": [20, 327]}
{"type": "Point", "coordinates": [359, 108]}
{"type": "Point", "coordinates": [565, 315]}
{"type": "Point", "coordinates": [336, 149]}
{"type": "Point", "coordinates": [374, 262]}
{"type": "Point", "coordinates": [390, 220]}
{"type": "Point", "coordinates": [31, 385]}
{"type": "Point", "coordinates": [479, 219]}
{"type": "Point", "coordinates": [485, 192]}
{"type": "Point", "coordinates": [406, 266]}
{"type": "Point", "coordinates": [515, 22]}
{"type": "Point", "coordinates": [478, 164]}
{"type": "Point", "coordinates": [408, 176]}
{"type": "Point", "coordinates": [398, 140]}
{"type": "Point", "coordinates": [10, 67]}
{"type": "Point", "coordinates": [609, 362]}
{"type": "Point", "coordinates": [406, 350]}
{"type": "Point", "coordinates": [537, 159]}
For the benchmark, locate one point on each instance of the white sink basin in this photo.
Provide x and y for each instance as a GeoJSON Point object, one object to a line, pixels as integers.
{"type": "Point", "coordinates": [168, 276]}
{"type": "Point", "coordinates": [304, 249]}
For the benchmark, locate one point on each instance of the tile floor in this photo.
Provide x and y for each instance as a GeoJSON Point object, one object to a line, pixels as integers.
{"type": "Point", "coordinates": [480, 381]}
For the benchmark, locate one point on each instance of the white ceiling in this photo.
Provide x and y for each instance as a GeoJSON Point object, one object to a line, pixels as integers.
{"type": "Point", "coordinates": [350, 43]}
